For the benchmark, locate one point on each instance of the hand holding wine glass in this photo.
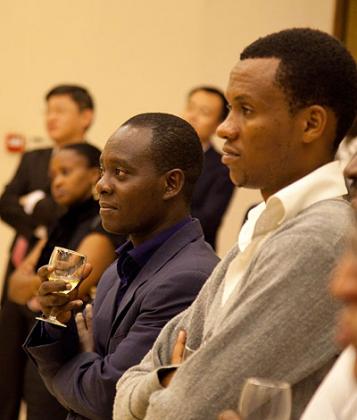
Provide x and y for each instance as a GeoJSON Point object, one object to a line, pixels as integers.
{"type": "Point", "coordinates": [58, 293]}
{"type": "Point", "coordinates": [265, 399]}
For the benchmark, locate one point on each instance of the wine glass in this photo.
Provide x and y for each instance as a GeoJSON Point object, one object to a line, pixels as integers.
{"type": "Point", "coordinates": [265, 399]}
{"type": "Point", "coordinates": [187, 352]}
{"type": "Point", "coordinates": [68, 266]}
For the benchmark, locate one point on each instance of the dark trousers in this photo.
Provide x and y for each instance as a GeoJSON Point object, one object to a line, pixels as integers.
{"type": "Point", "coordinates": [19, 378]}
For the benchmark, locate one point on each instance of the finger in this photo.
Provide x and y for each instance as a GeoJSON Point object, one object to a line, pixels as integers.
{"type": "Point", "coordinates": [179, 348]}
{"type": "Point", "coordinates": [229, 415]}
{"type": "Point", "coordinates": [81, 327]}
{"type": "Point", "coordinates": [89, 317]}
{"type": "Point", "coordinates": [87, 270]}
{"type": "Point", "coordinates": [44, 271]}
{"type": "Point", "coordinates": [74, 305]}
{"type": "Point", "coordinates": [52, 286]}
{"type": "Point", "coordinates": [53, 299]}
{"type": "Point", "coordinates": [64, 313]}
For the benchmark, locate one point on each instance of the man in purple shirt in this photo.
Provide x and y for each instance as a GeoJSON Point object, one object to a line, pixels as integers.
{"type": "Point", "coordinates": [149, 169]}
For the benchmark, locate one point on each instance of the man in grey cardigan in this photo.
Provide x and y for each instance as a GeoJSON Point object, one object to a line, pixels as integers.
{"type": "Point", "coordinates": [265, 311]}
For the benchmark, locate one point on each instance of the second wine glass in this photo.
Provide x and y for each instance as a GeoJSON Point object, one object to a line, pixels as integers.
{"type": "Point", "coordinates": [265, 399]}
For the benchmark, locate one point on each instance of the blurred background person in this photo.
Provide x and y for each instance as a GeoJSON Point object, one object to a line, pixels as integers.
{"type": "Point", "coordinates": [205, 109]}
{"type": "Point", "coordinates": [74, 171]}
{"type": "Point", "coordinates": [26, 203]}
{"type": "Point", "coordinates": [27, 206]}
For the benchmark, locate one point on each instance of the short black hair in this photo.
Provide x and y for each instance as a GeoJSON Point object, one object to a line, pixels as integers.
{"type": "Point", "coordinates": [174, 145]}
{"type": "Point", "coordinates": [79, 95]}
{"type": "Point", "coordinates": [88, 151]}
{"type": "Point", "coordinates": [315, 68]}
{"type": "Point", "coordinates": [214, 90]}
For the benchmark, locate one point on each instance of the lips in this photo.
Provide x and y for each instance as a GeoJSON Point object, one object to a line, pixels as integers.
{"type": "Point", "coordinates": [58, 193]}
{"type": "Point", "coordinates": [230, 151]}
{"type": "Point", "coordinates": [106, 206]}
{"type": "Point", "coordinates": [229, 155]}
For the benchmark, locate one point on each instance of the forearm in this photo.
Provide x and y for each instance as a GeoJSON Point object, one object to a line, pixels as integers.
{"type": "Point", "coordinates": [22, 287]}
{"type": "Point", "coordinates": [138, 383]}
{"type": "Point", "coordinates": [13, 214]}
{"type": "Point", "coordinates": [134, 391]}
{"type": "Point", "coordinates": [27, 291]}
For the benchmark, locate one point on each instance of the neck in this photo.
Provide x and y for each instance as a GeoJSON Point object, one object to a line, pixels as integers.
{"type": "Point", "coordinates": [140, 237]}
{"type": "Point", "coordinates": [73, 140]}
{"type": "Point", "coordinates": [268, 192]}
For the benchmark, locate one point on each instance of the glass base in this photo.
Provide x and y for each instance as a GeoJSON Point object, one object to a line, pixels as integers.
{"type": "Point", "coordinates": [51, 320]}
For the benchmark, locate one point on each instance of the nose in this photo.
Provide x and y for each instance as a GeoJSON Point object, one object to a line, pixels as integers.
{"type": "Point", "coordinates": [228, 129]}
{"type": "Point", "coordinates": [103, 185]}
{"type": "Point", "coordinates": [56, 182]}
{"type": "Point", "coordinates": [51, 116]}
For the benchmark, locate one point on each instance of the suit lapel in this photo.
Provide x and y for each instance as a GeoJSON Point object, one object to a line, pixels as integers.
{"type": "Point", "coordinates": [167, 251]}
{"type": "Point", "coordinates": [106, 306]}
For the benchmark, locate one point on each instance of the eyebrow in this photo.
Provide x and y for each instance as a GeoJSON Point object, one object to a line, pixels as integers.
{"type": "Point", "coordinates": [239, 98]}
{"type": "Point", "coordinates": [115, 162]}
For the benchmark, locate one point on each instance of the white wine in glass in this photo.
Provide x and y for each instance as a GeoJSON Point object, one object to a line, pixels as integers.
{"type": "Point", "coordinates": [265, 399]}
{"type": "Point", "coordinates": [68, 266]}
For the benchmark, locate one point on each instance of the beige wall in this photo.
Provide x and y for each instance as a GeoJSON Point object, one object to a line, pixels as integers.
{"type": "Point", "coordinates": [134, 55]}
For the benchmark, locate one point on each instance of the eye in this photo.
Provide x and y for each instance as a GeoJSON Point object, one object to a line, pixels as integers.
{"type": "Point", "coordinates": [119, 172]}
{"type": "Point", "coordinates": [246, 110]}
{"type": "Point", "coordinates": [65, 171]}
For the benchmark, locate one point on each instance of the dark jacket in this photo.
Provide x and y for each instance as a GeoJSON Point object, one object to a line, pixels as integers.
{"type": "Point", "coordinates": [166, 285]}
{"type": "Point", "coordinates": [31, 175]}
{"type": "Point", "coordinates": [211, 195]}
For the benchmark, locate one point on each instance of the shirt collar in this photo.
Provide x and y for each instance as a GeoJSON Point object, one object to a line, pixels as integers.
{"type": "Point", "coordinates": [142, 253]}
{"type": "Point", "coordinates": [324, 183]}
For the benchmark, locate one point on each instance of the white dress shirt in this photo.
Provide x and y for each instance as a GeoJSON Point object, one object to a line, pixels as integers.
{"type": "Point", "coordinates": [324, 183]}
{"type": "Point", "coordinates": [336, 397]}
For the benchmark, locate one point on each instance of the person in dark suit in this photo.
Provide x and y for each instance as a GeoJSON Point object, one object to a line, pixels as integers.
{"type": "Point", "coordinates": [205, 109]}
{"type": "Point", "coordinates": [27, 205]}
{"type": "Point", "coordinates": [74, 170]}
{"type": "Point", "coordinates": [149, 168]}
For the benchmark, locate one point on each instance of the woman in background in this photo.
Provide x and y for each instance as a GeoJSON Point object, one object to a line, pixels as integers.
{"type": "Point", "coordinates": [74, 171]}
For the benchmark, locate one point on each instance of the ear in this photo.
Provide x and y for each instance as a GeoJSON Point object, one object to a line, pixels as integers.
{"type": "Point", "coordinates": [314, 119]}
{"type": "Point", "coordinates": [174, 182]}
{"type": "Point", "coordinates": [87, 116]}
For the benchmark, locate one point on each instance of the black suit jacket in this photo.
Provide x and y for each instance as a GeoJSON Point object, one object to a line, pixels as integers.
{"type": "Point", "coordinates": [31, 175]}
{"type": "Point", "coordinates": [166, 285]}
{"type": "Point", "coordinates": [212, 194]}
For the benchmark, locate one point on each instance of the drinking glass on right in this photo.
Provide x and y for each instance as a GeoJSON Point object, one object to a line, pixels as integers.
{"type": "Point", "coordinates": [265, 399]}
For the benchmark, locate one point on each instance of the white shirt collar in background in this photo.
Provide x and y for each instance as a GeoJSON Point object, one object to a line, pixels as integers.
{"type": "Point", "coordinates": [325, 182]}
